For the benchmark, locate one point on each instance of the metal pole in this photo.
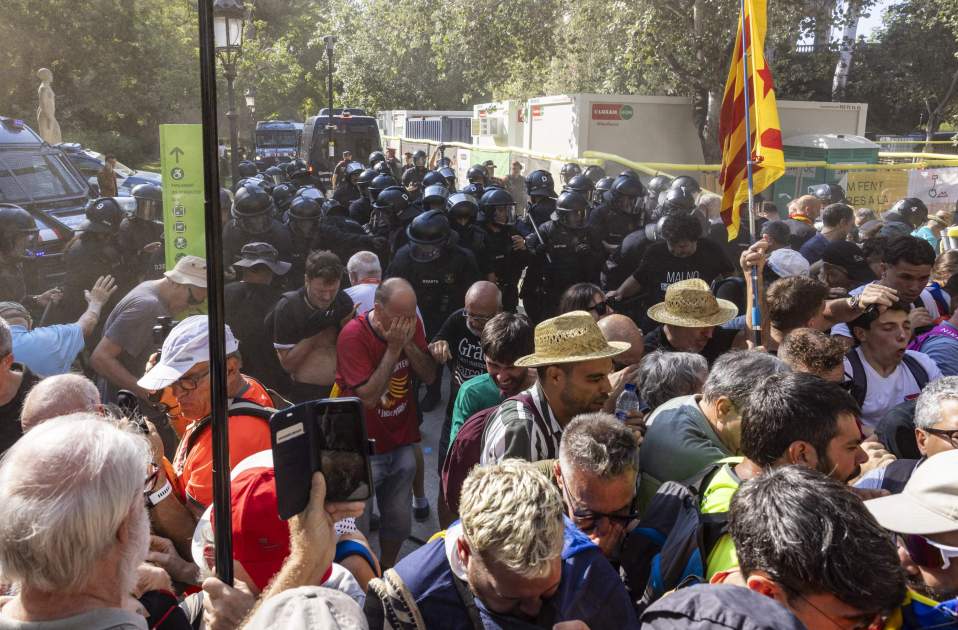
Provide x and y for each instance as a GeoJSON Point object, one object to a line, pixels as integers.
{"type": "Point", "coordinates": [229, 71]}
{"type": "Point", "coordinates": [756, 311]}
{"type": "Point", "coordinates": [252, 132]}
{"type": "Point", "coordinates": [223, 533]}
{"type": "Point", "coordinates": [329, 91]}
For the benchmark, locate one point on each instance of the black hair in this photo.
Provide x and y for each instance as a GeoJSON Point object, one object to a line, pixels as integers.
{"type": "Point", "coordinates": [680, 226]}
{"type": "Point", "coordinates": [324, 264]}
{"type": "Point", "coordinates": [778, 230]}
{"type": "Point", "coordinates": [835, 213]}
{"type": "Point", "coordinates": [579, 297]}
{"type": "Point", "coordinates": [791, 407]}
{"type": "Point", "coordinates": [506, 337]}
{"type": "Point", "coordinates": [910, 249]}
{"type": "Point", "coordinates": [811, 535]}
{"type": "Point", "coordinates": [866, 319]}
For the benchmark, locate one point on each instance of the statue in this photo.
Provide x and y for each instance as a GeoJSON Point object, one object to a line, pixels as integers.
{"type": "Point", "coordinates": [49, 128]}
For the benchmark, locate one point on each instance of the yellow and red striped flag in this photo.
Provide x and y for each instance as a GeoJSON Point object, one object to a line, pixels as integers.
{"type": "Point", "coordinates": [765, 143]}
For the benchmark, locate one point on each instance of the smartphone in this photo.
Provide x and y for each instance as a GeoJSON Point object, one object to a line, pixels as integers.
{"type": "Point", "coordinates": [327, 435]}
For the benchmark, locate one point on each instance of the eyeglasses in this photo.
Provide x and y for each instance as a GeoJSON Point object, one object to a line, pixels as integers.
{"type": "Point", "coordinates": [189, 383]}
{"type": "Point", "coordinates": [588, 520]}
{"type": "Point", "coordinates": [927, 553]}
{"type": "Point", "coordinates": [865, 622]}
{"type": "Point", "coordinates": [479, 319]}
{"type": "Point", "coordinates": [600, 307]}
{"type": "Point", "coordinates": [149, 483]}
{"type": "Point", "coordinates": [948, 434]}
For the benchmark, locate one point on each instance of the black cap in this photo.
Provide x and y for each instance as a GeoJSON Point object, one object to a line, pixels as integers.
{"type": "Point", "coordinates": [254, 254]}
{"type": "Point", "coordinates": [849, 257]}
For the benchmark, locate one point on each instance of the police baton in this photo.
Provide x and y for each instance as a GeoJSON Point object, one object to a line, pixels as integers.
{"type": "Point", "coordinates": [532, 222]}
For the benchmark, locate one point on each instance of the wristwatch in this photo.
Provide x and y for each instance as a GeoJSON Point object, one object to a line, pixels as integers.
{"type": "Point", "coordinates": [160, 494]}
{"type": "Point", "coordinates": [854, 302]}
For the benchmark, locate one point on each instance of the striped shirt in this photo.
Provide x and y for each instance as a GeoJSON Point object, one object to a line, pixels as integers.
{"type": "Point", "coordinates": [518, 429]}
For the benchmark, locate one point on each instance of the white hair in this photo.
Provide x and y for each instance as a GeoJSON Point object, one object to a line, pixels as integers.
{"type": "Point", "coordinates": [512, 513]}
{"type": "Point", "coordinates": [710, 204]}
{"type": "Point", "coordinates": [928, 407]}
{"type": "Point", "coordinates": [58, 396]}
{"type": "Point", "coordinates": [6, 338]}
{"type": "Point", "coordinates": [65, 489]}
{"type": "Point", "coordinates": [599, 444]}
{"type": "Point", "coordinates": [362, 265]}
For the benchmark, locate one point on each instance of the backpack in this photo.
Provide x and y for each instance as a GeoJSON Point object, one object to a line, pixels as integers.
{"type": "Point", "coordinates": [859, 388]}
{"type": "Point", "coordinates": [670, 547]}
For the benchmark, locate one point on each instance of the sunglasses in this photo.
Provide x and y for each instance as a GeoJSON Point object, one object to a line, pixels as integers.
{"type": "Point", "coordinates": [587, 520]}
{"type": "Point", "coordinates": [951, 435]}
{"type": "Point", "coordinates": [928, 554]}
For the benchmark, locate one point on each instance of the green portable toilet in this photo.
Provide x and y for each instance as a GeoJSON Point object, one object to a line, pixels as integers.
{"type": "Point", "coordinates": [830, 148]}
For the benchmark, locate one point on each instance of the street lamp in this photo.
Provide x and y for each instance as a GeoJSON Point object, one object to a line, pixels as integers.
{"type": "Point", "coordinates": [228, 18]}
{"type": "Point", "coordinates": [251, 106]}
{"type": "Point", "coordinates": [330, 41]}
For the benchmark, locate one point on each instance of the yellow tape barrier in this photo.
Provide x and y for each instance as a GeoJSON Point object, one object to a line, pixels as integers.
{"type": "Point", "coordinates": [495, 149]}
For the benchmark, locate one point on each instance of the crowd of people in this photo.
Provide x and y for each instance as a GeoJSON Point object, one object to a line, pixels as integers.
{"type": "Point", "coordinates": [619, 447]}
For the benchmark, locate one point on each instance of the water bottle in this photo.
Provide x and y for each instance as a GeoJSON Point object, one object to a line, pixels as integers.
{"type": "Point", "coordinates": [627, 403]}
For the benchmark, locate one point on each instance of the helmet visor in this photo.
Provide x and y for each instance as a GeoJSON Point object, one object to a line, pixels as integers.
{"type": "Point", "coordinates": [574, 219]}
{"type": "Point", "coordinates": [504, 215]}
{"type": "Point", "coordinates": [303, 227]}
{"type": "Point", "coordinates": [425, 253]}
{"type": "Point", "coordinates": [149, 209]}
{"type": "Point", "coordinates": [436, 203]}
{"type": "Point", "coordinates": [255, 224]}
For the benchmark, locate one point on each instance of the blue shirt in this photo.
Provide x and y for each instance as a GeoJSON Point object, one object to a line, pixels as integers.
{"type": "Point", "coordinates": [47, 350]}
{"type": "Point", "coordinates": [942, 349]}
{"type": "Point", "coordinates": [814, 248]}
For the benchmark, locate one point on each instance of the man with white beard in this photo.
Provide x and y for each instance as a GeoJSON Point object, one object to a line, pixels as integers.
{"type": "Point", "coordinates": [73, 525]}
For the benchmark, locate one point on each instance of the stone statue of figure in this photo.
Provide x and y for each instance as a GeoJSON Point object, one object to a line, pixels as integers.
{"type": "Point", "coordinates": [46, 112]}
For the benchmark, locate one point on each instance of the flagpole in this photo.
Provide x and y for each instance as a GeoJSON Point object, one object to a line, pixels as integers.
{"type": "Point", "coordinates": [756, 315]}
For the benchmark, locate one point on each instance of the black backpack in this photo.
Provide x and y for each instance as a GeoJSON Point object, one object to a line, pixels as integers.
{"type": "Point", "coordinates": [670, 547]}
{"type": "Point", "coordinates": [859, 387]}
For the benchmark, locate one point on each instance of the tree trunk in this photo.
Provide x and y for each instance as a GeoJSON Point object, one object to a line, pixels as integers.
{"type": "Point", "coordinates": [840, 80]}
{"type": "Point", "coordinates": [823, 25]}
{"type": "Point", "coordinates": [709, 133]}
{"type": "Point", "coordinates": [936, 109]}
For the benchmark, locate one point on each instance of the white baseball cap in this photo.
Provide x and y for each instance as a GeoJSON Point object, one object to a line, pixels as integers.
{"type": "Point", "coordinates": [787, 262]}
{"type": "Point", "coordinates": [186, 345]}
{"type": "Point", "coordinates": [928, 504]}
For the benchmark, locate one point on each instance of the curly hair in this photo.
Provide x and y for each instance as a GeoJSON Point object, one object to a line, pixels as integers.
{"type": "Point", "coordinates": [810, 350]}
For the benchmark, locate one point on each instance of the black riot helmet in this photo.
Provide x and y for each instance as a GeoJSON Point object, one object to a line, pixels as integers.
{"type": "Point", "coordinates": [419, 159]}
{"type": "Point", "coordinates": [247, 169]}
{"type": "Point", "coordinates": [449, 176]}
{"type": "Point", "coordinates": [629, 173]}
{"type": "Point", "coordinates": [539, 183]}
{"type": "Point", "coordinates": [830, 193]}
{"type": "Point", "coordinates": [253, 209]}
{"type": "Point", "coordinates": [433, 178]}
{"type": "Point", "coordinates": [627, 195]}
{"type": "Point", "coordinates": [912, 210]}
{"type": "Point", "coordinates": [354, 169]}
{"type": "Point", "coordinates": [689, 183]}
{"type": "Point", "coordinates": [375, 157]}
{"type": "Point", "coordinates": [462, 207]}
{"type": "Point", "coordinates": [444, 162]}
{"type": "Point", "coordinates": [394, 198]}
{"type": "Point", "coordinates": [303, 216]}
{"type": "Point", "coordinates": [382, 168]}
{"type": "Point", "coordinates": [365, 178]}
{"type": "Point", "coordinates": [580, 184]}
{"type": "Point", "coordinates": [497, 206]}
{"type": "Point", "coordinates": [311, 192]}
{"type": "Point", "coordinates": [595, 173]}
{"type": "Point", "coordinates": [434, 197]}
{"type": "Point", "coordinates": [15, 222]}
{"type": "Point", "coordinates": [412, 179]}
{"type": "Point", "coordinates": [658, 184]}
{"type": "Point", "coordinates": [476, 174]}
{"type": "Point", "coordinates": [678, 199]}
{"type": "Point", "coordinates": [103, 216]}
{"type": "Point", "coordinates": [568, 171]}
{"type": "Point", "coordinates": [571, 209]}
{"type": "Point", "coordinates": [149, 202]}
{"type": "Point", "coordinates": [475, 190]}
{"type": "Point", "coordinates": [282, 195]}
{"type": "Point", "coordinates": [332, 208]}
{"type": "Point", "coordinates": [428, 234]}
{"type": "Point", "coordinates": [379, 184]}
{"type": "Point", "coordinates": [602, 188]}
{"type": "Point", "coordinates": [276, 174]}
{"type": "Point", "coordinates": [297, 169]}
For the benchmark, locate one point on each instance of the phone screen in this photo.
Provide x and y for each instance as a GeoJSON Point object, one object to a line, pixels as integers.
{"type": "Point", "coordinates": [342, 445]}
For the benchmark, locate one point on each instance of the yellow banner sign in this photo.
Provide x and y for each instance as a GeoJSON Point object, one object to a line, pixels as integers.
{"type": "Point", "coordinates": [877, 190]}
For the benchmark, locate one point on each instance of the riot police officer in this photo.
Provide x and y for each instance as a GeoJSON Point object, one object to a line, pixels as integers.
{"type": "Point", "coordinates": [600, 193]}
{"type": "Point", "coordinates": [282, 196]}
{"type": "Point", "coordinates": [583, 185]}
{"type": "Point", "coordinates": [434, 197]}
{"type": "Point", "coordinates": [418, 168]}
{"type": "Point", "coordinates": [911, 211]}
{"type": "Point", "coordinates": [360, 210]}
{"type": "Point", "coordinates": [828, 193]}
{"type": "Point", "coordinates": [343, 236]}
{"type": "Point", "coordinates": [302, 219]}
{"type": "Point", "coordinates": [564, 250]}
{"type": "Point", "coordinates": [594, 172]}
{"type": "Point", "coordinates": [477, 175]}
{"type": "Point", "coordinates": [18, 239]}
{"type": "Point", "coordinates": [463, 210]}
{"type": "Point", "coordinates": [392, 212]}
{"type": "Point", "coordinates": [657, 185]}
{"type": "Point", "coordinates": [141, 233]}
{"type": "Point", "coordinates": [348, 189]}
{"type": "Point", "coordinates": [568, 171]}
{"type": "Point", "coordinates": [252, 221]}
{"type": "Point", "coordinates": [615, 219]}
{"type": "Point", "coordinates": [540, 189]}
{"type": "Point", "coordinates": [505, 255]}
{"type": "Point", "coordinates": [246, 169]}
{"type": "Point", "coordinates": [300, 176]}
{"type": "Point", "coordinates": [275, 174]}
{"type": "Point", "coordinates": [449, 176]}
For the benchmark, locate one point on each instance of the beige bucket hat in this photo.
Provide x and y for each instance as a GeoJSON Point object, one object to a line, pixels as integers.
{"type": "Point", "coordinates": [570, 338]}
{"type": "Point", "coordinates": [690, 304]}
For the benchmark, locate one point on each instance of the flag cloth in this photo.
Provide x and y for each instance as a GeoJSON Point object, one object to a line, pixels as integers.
{"type": "Point", "coordinates": [766, 141]}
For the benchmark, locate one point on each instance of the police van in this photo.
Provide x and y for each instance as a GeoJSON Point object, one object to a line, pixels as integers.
{"type": "Point", "coordinates": [354, 131]}
{"type": "Point", "coordinates": [276, 140]}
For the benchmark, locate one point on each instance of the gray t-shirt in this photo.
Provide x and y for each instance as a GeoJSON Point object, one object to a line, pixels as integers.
{"type": "Point", "coordinates": [97, 619]}
{"type": "Point", "coordinates": [130, 325]}
{"type": "Point", "coordinates": [679, 442]}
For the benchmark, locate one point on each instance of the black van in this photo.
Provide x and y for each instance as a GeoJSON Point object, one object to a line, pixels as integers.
{"type": "Point", "coordinates": [40, 179]}
{"type": "Point", "coordinates": [355, 132]}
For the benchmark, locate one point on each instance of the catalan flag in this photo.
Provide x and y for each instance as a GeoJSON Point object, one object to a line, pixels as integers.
{"type": "Point", "coordinates": [765, 143]}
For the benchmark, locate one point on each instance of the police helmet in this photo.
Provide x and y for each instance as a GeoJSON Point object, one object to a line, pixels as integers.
{"type": "Point", "coordinates": [303, 216]}
{"type": "Point", "coordinates": [568, 171]}
{"type": "Point", "coordinates": [475, 190]}
{"type": "Point", "coordinates": [678, 199]}
{"type": "Point", "coordinates": [571, 209]}
{"type": "Point", "coordinates": [375, 157]}
{"type": "Point", "coordinates": [828, 193]}
{"type": "Point", "coordinates": [298, 168]}
{"type": "Point", "coordinates": [602, 187]}
{"type": "Point", "coordinates": [595, 173]}
{"type": "Point", "coordinates": [433, 178]}
{"type": "Point", "coordinates": [252, 209]}
{"type": "Point", "coordinates": [689, 183]}
{"type": "Point", "coordinates": [247, 169]}
{"type": "Point", "coordinates": [657, 184]}
{"type": "Point", "coordinates": [428, 233]}
{"type": "Point", "coordinates": [450, 176]}
{"type": "Point", "coordinates": [311, 192]}
{"type": "Point", "coordinates": [412, 177]}
{"type": "Point", "coordinates": [16, 222]}
{"type": "Point", "coordinates": [276, 174]}
{"type": "Point", "coordinates": [625, 186]}
{"type": "Point", "coordinates": [282, 195]}
{"type": "Point", "coordinates": [539, 183]}
{"type": "Point", "coordinates": [419, 158]}
{"type": "Point", "coordinates": [354, 168]}
{"type": "Point", "coordinates": [912, 210]}
{"type": "Point", "coordinates": [103, 215]}
{"type": "Point", "coordinates": [434, 197]}
{"type": "Point", "coordinates": [462, 206]}
{"type": "Point", "coordinates": [332, 208]}
{"type": "Point", "coordinates": [394, 198]}
{"type": "Point", "coordinates": [497, 206]}
{"type": "Point", "coordinates": [444, 162]}
{"type": "Point", "coordinates": [582, 184]}
{"type": "Point", "coordinates": [476, 174]}
{"type": "Point", "coordinates": [379, 184]}
{"type": "Point", "coordinates": [382, 168]}
{"type": "Point", "coordinates": [149, 201]}
{"type": "Point", "coordinates": [365, 178]}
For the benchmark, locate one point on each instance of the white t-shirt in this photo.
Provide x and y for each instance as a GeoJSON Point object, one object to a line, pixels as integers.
{"type": "Point", "coordinates": [883, 393]}
{"type": "Point", "coordinates": [926, 299]}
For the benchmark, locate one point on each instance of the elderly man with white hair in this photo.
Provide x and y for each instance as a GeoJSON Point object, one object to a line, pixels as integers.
{"type": "Point", "coordinates": [58, 396]}
{"type": "Point", "coordinates": [73, 542]}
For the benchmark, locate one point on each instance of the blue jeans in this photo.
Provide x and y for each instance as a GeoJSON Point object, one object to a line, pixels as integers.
{"type": "Point", "coordinates": [393, 474]}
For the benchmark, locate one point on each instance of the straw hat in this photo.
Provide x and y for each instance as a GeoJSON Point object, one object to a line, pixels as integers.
{"type": "Point", "coordinates": [690, 304]}
{"type": "Point", "coordinates": [570, 338]}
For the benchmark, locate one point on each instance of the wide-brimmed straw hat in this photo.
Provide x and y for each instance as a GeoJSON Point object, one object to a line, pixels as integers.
{"type": "Point", "coordinates": [690, 304]}
{"type": "Point", "coordinates": [570, 338]}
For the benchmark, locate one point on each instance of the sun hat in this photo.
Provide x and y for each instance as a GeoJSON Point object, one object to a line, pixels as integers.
{"type": "Point", "coordinates": [189, 270]}
{"type": "Point", "coordinates": [186, 345]}
{"type": "Point", "coordinates": [307, 607]}
{"type": "Point", "coordinates": [254, 254]}
{"type": "Point", "coordinates": [690, 304]}
{"type": "Point", "coordinates": [570, 338]}
{"type": "Point", "coordinates": [929, 502]}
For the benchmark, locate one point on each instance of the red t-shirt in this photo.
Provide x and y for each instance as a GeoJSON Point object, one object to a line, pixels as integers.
{"type": "Point", "coordinates": [359, 351]}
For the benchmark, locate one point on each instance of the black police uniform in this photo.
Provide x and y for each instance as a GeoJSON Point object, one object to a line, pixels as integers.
{"type": "Point", "coordinates": [571, 260]}
{"type": "Point", "coordinates": [470, 237]}
{"type": "Point", "coordinates": [531, 293]}
{"type": "Point", "coordinates": [344, 237]}
{"type": "Point", "coordinates": [608, 225]}
{"type": "Point", "coordinates": [234, 237]}
{"type": "Point", "coordinates": [346, 193]}
{"type": "Point", "coordinates": [90, 256]}
{"type": "Point", "coordinates": [135, 234]}
{"type": "Point", "coordinates": [13, 285]}
{"type": "Point", "coordinates": [360, 209]}
{"type": "Point", "coordinates": [507, 263]}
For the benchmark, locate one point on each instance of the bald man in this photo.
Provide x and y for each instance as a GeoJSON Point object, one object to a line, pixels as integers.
{"type": "Point", "coordinates": [618, 327]}
{"type": "Point", "coordinates": [59, 395]}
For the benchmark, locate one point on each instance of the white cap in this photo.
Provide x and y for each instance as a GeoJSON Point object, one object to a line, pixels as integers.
{"type": "Point", "coordinates": [186, 345]}
{"type": "Point", "coordinates": [787, 262]}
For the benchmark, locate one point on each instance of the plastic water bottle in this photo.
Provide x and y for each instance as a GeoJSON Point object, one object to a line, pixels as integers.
{"type": "Point", "coordinates": [627, 403]}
